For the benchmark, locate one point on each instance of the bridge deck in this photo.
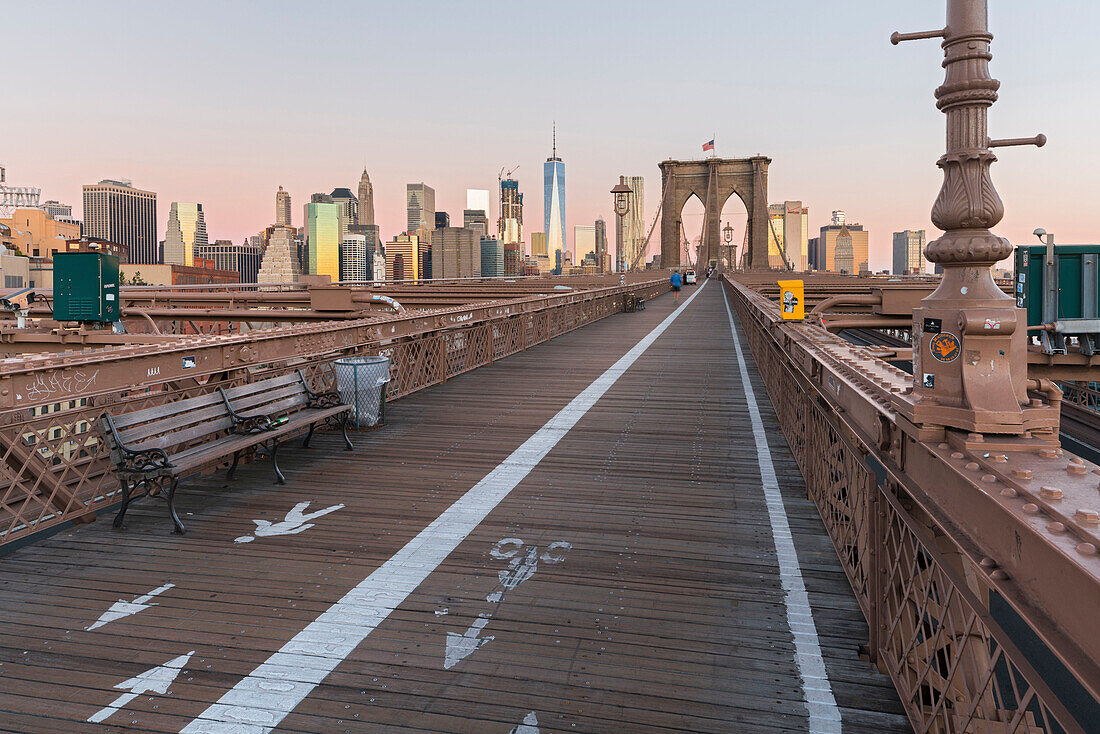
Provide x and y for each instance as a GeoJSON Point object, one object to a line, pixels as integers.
{"type": "Point", "coordinates": [637, 587]}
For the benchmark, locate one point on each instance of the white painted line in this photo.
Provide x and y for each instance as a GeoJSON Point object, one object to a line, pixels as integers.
{"type": "Point", "coordinates": [816, 691]}
{"type": "Point", "coordinates": [123, 608]}
{"type": "Point", "coordinates": [154, 680]}
{"type": "Point", "coordinates": [260, 701]}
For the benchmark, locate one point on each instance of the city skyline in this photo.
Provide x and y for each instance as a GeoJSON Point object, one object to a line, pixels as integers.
{"type": "Point", "coordinates": [886, 147]}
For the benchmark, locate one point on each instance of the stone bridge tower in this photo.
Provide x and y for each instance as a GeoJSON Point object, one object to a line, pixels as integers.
{"type": "Point", "coordinates": [714, 180]}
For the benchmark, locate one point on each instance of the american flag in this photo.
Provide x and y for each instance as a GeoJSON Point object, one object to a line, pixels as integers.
{"type": "Point", "coordinates": [708, 145]}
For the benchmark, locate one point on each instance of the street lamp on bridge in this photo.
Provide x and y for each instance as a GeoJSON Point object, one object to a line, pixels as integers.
{"type": "Point", "coordinates": [727, 235]}
{"type": "Point", "coordinates": [622, 206]}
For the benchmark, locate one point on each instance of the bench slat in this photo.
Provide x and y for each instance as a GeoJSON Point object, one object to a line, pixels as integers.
{"type": "Point", "coordinates": [289, 404]}
{"type": "Point", "coordinates": [155, 427]}
{"type": "Point", "coordinates": [125, 420]}
{"type": "Point", "coordinates": [180, 438]}
{"type": "Point", "coordinates": [253, 401]}
{"type": "Point", "coordinates": [242, 391]}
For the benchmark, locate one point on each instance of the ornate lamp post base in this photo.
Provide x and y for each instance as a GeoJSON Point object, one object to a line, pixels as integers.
{"type": "Point", "coordinates": [969, 339]}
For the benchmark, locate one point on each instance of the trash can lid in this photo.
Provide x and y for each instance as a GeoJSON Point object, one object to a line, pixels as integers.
{"type": "Point", "coordinates": [361, 360]}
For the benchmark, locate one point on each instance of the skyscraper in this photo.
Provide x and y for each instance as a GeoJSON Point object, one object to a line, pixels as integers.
{"type": "Point", "coordinates": [420, 200]}
{"type": "Point", "coordinates": [843, 247]}
{"type": "Point", "coordinates": [788, 234]}
{"type": "Point", "coordinates": [492, 258]}
{"type": "Point", "coordinates": [510, 223]}
{"type": "Point", "coordinates": [553, 177]}
{"type": "Point", "coordinates": [403, 258]}
{"type": "Point", "coordinates": [909, 252]}
{"type": "Point", "coordinates": [348, 204]}
{"type": "Point", "coordinates": [282, 208]}
{"type": "Point", "coordinates": [584, 240]}
{"type": "Point", "coordinates": [185, 234]}
{"type": "Point", "coordinates": [538, 245]}
{"type": "Point", "coordinates": [117, 212]}
{"type": "Point", "coordinates": [478, 199]}
{"type": "Point", "coordinates": [476, 220]}
{"type": "Point", "coordinates": [244, 259]}
{"type": "Point", "coordinates": [603, 257]}
{"type": "Point", "coordinates": [366, 199]}
{"type": "Point", "coordinates": [355, 257]}
{"type": "Point", "coordinates": [456, 253]}
{"type": "Point", "coordinates": [634, 223]}
{"type": "Point", "coordinates": [442, 219]}
{"type": "Point", "coordinates": [323, 228]}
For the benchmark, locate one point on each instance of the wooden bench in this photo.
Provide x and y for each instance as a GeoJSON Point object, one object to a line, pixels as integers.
{"type": "Point", "coordinates": [153, 448]}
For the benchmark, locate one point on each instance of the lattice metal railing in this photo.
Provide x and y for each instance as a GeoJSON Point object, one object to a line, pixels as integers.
{"type": "Point", "coordinates": [956, 670]}
{"type": "Point", "coordinates": [55, 467]}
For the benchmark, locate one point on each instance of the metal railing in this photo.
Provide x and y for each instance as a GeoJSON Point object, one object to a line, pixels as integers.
{"type": "Point", "coordinates": [54, 466]}
{"type": "Point", "coordinates": [954, 666]}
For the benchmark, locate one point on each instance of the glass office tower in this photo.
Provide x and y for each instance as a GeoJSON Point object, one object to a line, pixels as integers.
{"type": "Point", "coordinates": [553, 175]}
{"type": "Point", "coordinates": [186, 233]}
{"type": "Point", "coordinates": [323, 238]}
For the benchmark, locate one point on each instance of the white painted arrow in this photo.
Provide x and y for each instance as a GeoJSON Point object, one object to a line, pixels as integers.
{"type": "Point", "coordinates": [123, 608]}
{"type": "Point", "coordinates": [530, 725]}
{"type": "Point", "coordinates": [154, 680]}
{"type": "Point", "coordinates": [460, 646]}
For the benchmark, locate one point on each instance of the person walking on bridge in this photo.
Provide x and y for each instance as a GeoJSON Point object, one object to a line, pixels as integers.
{"type": "Point", "coordinates": [676, 281]}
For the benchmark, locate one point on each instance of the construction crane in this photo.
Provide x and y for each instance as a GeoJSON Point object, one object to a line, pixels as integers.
{"type": "Point", "coordinates": [503, 173]}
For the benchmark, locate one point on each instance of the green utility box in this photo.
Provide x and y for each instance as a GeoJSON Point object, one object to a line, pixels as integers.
{"type": "Point", "coordinates": [1059, 285]}
{"type": "Point", "coordinates": [85, 287]}
{"type": "Point", "coordinates": [1075, 281]}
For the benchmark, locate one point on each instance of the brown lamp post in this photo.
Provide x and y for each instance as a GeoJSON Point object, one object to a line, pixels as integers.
{"type": "Point", "coordinates": [727, 235]}
{"type": "Point", "coordinates": [970, 359]}
{"type": "Point", "coordinates": [621, 193]}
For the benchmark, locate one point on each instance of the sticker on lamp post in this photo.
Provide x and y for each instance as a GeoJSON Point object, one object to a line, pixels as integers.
{"type": "Point", "coordinates": [944, 347]}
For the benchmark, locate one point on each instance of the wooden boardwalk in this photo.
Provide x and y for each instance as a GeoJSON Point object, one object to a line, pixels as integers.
{"type": "Point", "coordinates": [629, 582]}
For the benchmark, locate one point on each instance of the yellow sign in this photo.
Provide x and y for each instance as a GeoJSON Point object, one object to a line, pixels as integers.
{"type": "Point", "coordinates": [792, 297]}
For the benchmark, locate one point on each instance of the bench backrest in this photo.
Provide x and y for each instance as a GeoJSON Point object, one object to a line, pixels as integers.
{"type": "Point", "coordinates": [273, 397]}
{"type": "Point", "coordinates": [184, 423]}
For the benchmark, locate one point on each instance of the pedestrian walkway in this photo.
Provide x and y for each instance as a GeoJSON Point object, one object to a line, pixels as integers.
{"type": "Point", "coordinates": [604, 533]}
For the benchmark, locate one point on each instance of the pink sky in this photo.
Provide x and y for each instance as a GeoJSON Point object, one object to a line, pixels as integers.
{"type": "Point", "coordinates": [223, 113]}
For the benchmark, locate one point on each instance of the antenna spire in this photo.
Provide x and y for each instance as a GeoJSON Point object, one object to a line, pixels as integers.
{"type": "Point", "coordinates": [555, 138]}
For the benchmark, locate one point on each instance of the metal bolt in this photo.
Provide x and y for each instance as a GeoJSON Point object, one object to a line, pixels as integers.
{"type": "Point", "coordinates": [957, 455]}
{"type": "Point", "coordinates": [1049, 453]}
{"type": "Point", "coordinates": [988, 478]}
{"type": "Point", "coordinates": [1009, 492]}
{"type": "Point", "coordinates": [1050, 493]}
{"type": "Point", "coordinates": [972, 466]}
{"type": "Point", "coordinates": [1077, 469]}
{"type": "Point", "coordinates": [1021, 473]}
{"type": "Point", "coordinates": [1031, 508]}
{"type": "Point", "coordinates": [1056, 527]}
{"type": "Point", "coordinates": [1086, 549]}
{"type": "Point", "coordinates": [1088, 517]}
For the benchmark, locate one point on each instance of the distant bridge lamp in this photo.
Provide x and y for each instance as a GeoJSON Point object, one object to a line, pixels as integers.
{"type": "Point", "coordinates": [727, 235]}
{"type": "Point", "coordinates": [621, 194]}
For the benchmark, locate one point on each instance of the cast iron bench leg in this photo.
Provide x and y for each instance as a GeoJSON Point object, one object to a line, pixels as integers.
{"type": "Point", "coordinates": [305, 444]}
{"type": "Point", "coordinates": [344, 430]}
{"type": "Point", "coordinates": [233, 469]}
{"type": "Point", "coordinates": [179, 529]}
{"type": "Point", "coordinates": [275, 461]}
{"type": "Point", "coordinates": [125, 503]}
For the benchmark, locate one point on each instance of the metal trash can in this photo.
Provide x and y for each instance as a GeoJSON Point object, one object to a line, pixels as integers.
{"type": "Point", "coordinates": [361, 382]}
